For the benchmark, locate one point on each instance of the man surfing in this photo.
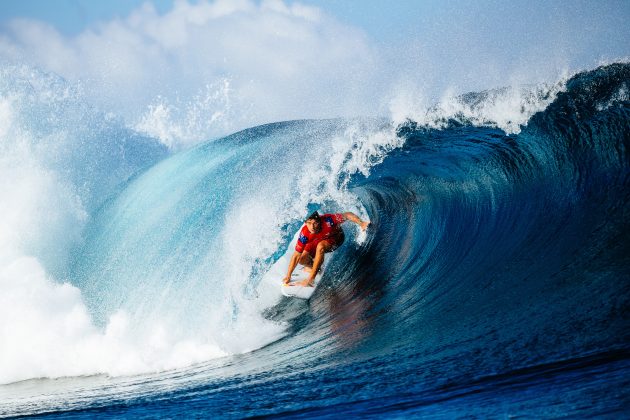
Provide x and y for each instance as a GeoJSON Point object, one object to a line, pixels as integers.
{"type": "Point", "coordinates": [319, 235]}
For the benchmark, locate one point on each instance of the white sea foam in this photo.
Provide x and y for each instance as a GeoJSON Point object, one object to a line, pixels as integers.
{"type": "Point", "coordinates": [47, 331]}
{"type": "Point", "coordinates": [45, 327]}
{"type": "Point", "coordinates": [507, 108]}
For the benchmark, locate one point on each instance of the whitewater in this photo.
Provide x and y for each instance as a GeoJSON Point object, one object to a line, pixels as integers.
{"type": "Point", "coordinates": [142, 278]}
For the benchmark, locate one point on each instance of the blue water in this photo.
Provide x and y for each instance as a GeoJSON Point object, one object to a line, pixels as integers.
{"type": "Point", "coordinates": [494, 281]}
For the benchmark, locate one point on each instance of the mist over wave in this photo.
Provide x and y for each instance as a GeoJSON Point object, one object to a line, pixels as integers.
{"type": "Point", "coordinates": [205, 69]}
{"type": "Point", "coordinates": [209, 68]}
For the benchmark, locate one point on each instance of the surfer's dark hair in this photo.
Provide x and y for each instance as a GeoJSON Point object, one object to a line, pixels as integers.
{"type": "Point", "coordinates": [313, 216]}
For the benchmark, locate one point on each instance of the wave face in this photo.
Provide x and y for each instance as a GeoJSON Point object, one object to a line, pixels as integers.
{"type": "Point", "coordinates": [495, 279]}
{"type": "Point", "coordinates": [187, 243]}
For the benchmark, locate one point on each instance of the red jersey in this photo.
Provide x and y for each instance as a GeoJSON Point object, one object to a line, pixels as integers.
{"type": "Point", "coordinates": [330, 230]}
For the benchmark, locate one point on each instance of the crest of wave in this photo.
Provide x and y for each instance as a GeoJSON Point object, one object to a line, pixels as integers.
{"type": "Point", "coordinates": [506, 108]}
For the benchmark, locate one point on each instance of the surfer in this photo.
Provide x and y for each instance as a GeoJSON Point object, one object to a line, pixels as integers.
{"type": "Point", "coordinates": [319, 235]}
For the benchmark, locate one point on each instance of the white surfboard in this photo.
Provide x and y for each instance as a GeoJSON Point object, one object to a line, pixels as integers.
{"type": "Point", "coordinates": [289, 290]}
{"type": "Point", "coordinates": [302, 292]}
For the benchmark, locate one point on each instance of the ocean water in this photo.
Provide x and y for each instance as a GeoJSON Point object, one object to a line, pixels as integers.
{"type": "Point", "coordinates": [138, 281]}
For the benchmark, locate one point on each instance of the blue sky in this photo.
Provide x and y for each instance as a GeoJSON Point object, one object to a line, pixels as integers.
{"type": "Point", "coordinates": [381, 19]}
{"type": "Point", "coordinates": [72, 16]}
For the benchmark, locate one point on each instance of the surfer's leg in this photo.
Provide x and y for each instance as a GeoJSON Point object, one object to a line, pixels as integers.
{"type": "Point", "coordinates": [322, 248]}
{"type": "Point", "coordinates": [306, 260]}
{"type": "Point", "coordinates": [308, 255]}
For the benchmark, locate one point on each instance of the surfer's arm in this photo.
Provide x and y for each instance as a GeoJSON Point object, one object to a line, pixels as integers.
{"type": "Point", "coordinates": [294, 261]}
{"type": "Point", "coordinates": [355, 219]}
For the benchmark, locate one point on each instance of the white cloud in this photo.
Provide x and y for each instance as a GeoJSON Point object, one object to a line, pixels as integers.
{"type": "Point", "coordinates": [283, 61]}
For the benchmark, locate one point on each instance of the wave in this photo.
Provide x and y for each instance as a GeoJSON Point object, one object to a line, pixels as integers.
{"type": "Point", "coordinates": [513, 244]}
{"type": "Point", "coordinates": [496, 247]}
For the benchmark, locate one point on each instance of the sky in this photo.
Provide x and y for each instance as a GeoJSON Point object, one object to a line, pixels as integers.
{"type": "Point", "coordinates": [382, 20]}
{"type": "Point", "coordinates": [73, 16]}
{"type": "Point", "coordinates": [235, 63]}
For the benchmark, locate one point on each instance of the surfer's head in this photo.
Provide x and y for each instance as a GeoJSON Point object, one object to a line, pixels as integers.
{"type": "Point", "coordinates": [313, 223]}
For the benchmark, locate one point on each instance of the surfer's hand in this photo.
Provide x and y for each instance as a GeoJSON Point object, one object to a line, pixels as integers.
{"type": "Point", "coordinates": [286, 280]}
{"type": "Point", "coordinates": [364, 225]}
